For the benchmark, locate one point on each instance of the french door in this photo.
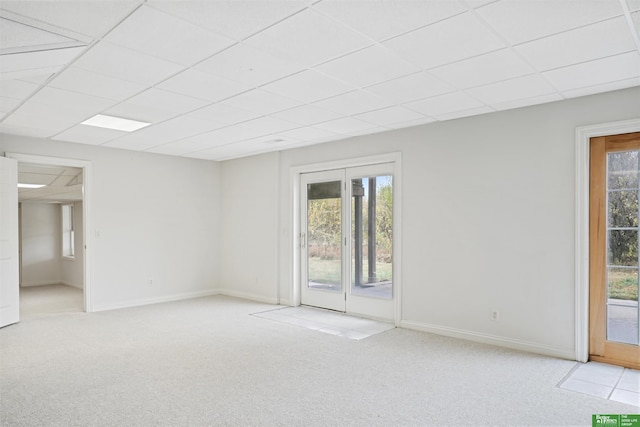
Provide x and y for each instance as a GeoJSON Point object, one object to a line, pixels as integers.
{"type": "Point", "coordinates": [614, 318]}
{"type": "Point", "coordinates": [346, 240]}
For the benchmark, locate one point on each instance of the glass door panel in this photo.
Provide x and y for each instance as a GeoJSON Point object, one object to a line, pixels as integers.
{"type": "Point", "coordinates": [324, 236]}
{"type": "Point", "coordinates": [372, 236]}
{"type": "Point", "coordinates": [622, 247]}
{"type": "Point", "coordinates": [321, 242]}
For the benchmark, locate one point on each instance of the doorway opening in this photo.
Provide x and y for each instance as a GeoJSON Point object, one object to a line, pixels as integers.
{"type": "Point", "coordinates": [53, 213]}
{"type": "Point", "coordinates": [51, 249]}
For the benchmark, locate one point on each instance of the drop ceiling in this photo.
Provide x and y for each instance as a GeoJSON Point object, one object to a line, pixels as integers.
{"type": "Point", "coordinates": [61, 183]}
{"type": "Point", "coordinates": [226, 79]}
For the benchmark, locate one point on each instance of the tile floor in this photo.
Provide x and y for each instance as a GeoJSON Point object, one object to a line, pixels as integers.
{"type": "Point", "coordinates": [604, 381]}
{"type": "Point", "coordinates": [329, 322]}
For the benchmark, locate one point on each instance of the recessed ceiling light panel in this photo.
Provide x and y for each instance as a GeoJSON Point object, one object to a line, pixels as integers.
{"type": "Point", "coordinates": [21, 185]}
{"type": "Point", "coordinates": [115, 123]}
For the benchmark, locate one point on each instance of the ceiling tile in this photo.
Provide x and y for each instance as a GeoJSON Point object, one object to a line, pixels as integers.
{"type": "Point", "coordinates": [444, 104]}
{"type": "Point", "coordinates": [606, 87]}
{"type": "Point", "coordinates": [156, 33]}
{"type": "Point", "coordinates": [464, 113]}
{"type": "Point", "coordinates": [84, 105]}
{"type": "Point", "coordinates": [411, 88]}
{"type": "Point", "coordinates": [307, 115]}
{"type": "Point", "coordinates": [620, 67]}
{"type": "Point", "coordinates": [366, 131]}
{"type": "Point", "coordinates": [383, 19]}
{"type": "Point", "coordinates": [248, 65]}
{"type": "Point", "coordinates": [29, 62]}
{"type": "Point", "coordinates": [169, 131]}
{"type": "Point", "coordinates": [90, 83]}
{"type": "Point", "coordinates": [224, 114]}
{"type": "Point", "coordinates": [198, 84]}
{"type": "Point", "coordinates": [18, 37]}
{"type": "Point", "coordinates": [308, 86]}
{"type": "Point", "coordinates": [309, 134]}
{"type": "Point", "coordinates": [595, 41]}
{"type": "Point", "coordinates": [170, 101]}
{"type": "Point", "coordinates": [17, 89]}
{"type": "Point", "coordinates": [521, 21]}
{"type": "Point", "coordinates": [260, 101]}
{"type": "Point", "coordinates": [140, 112]}
{"type": "Point", "coordinates": [26, 129]}
{"type": "Point", "coordinates": [88, 135]}
{"type": "Point", "coordinates": [44, 117]}
{"type": "Point", "coordinates": [368, 66]}
{"type": "Point", "coordinates": [512, 90]}
{"type": "Point", "coordinates": [345, 125]}
{"type": "Point", "coordinates": [635, 17]}
{"type": "Point", "coordinates": [223, 136]}
{"type": "Point", "coordinates": [355, 102]}
{"type": "Point", "coordinates": [446, 41]}
{"type": "Point", "coordinates": [92, 18]}
{"type": "Point", "coordinates": [8, 104]}
{"type": "Point", "coordinates": [232, 18]}
{"type": "Point", "coordinates": [126, 64]}
{"type": "Point", "coordinates": [633, 5]}
{"type": "Point", "coordinates": [525, 102]}
{"type": "Point", "coordinates": [389, 115]}
{"type": "Point", "coordinates": [488, 68]}
{"type": "Point", "coordinates": [411, 123]}
{"type": "Point", "coordinates": [308, 38]}
{"type": "Point", "coordinates": [268, 125]}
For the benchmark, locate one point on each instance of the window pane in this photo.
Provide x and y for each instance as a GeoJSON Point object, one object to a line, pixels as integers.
{"type": "Point", "coordinates": [622, 170]}
{"type": "Point", "coordinates": [623, 247]}
{"type": "Point", "coordinates": [623, 208]}
{"type": "Point", "coordinates": [622, 305]}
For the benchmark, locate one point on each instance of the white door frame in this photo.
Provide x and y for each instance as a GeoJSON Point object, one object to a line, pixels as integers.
{"type": "Point", "coordinates": [86, 210]}
{"type": "Point", "coordinates": [296, 171]}
{"type": "Point", "coordinates": [583, 136]}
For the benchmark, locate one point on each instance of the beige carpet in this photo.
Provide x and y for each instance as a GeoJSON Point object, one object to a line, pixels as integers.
{"type": "Point", "coordinates": [209, 362]}
{"type": "Point", "coordinates": [49, 299]}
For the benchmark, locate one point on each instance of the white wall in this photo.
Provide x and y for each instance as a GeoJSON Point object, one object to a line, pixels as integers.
{"type": "Point", "coordinates": [488, 219]}
{"type": "Point", "coordinates": [250, 228]}
{"type": "Point", "coordinates": [41, 244]}
{"type": "Point", "coordinates": [72, 269]}
{"type": "Point", "coordinates": [158, 217]}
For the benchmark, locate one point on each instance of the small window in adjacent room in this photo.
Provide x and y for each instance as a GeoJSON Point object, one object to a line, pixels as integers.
{"type": "Point", "coordinates": [68, 249]}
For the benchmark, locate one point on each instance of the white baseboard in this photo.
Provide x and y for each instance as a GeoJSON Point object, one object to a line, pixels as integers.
{"type": "Point", "coordinates": [562, 353]}
{"type": "Point", "coordinates": [248, 296]}
{"type": "Point", "coordinates": [155, 300]}
{"type": "Point", "coordinates": [73, 285]}
{"type": "Point", "coordinates": [40, 283]}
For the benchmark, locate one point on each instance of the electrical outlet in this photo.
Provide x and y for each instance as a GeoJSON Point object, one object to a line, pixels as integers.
{"type": "Point", "coordinates": [495, 315]}
{"type": "Point", "coordinates": [150, 281]}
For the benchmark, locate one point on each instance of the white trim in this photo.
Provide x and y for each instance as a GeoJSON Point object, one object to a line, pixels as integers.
{"type": "Point", "coordinates": [87, 179]}
{"type": "Point", "coordinates": [563, 353]}
{"type": "Point", "coordinates": [155, 300]}
{"type": "Point", "coordinates": [248, 296]}
{"type": "Point", "coordinates": [294, 192]}
{"type": "Point", "coordinates": [40, 283]}
{"type": "Point", "coordinates": [583, 135]}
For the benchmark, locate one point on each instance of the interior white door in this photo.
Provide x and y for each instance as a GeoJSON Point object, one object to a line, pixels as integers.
{"type": "Point", "coordinates": [9, 262]}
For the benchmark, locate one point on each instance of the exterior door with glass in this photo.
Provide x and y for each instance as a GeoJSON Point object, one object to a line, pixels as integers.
{"type": "Point", "coordinates": [614, 333]}
{"type": "Point", "coordinates": [347, 240]}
